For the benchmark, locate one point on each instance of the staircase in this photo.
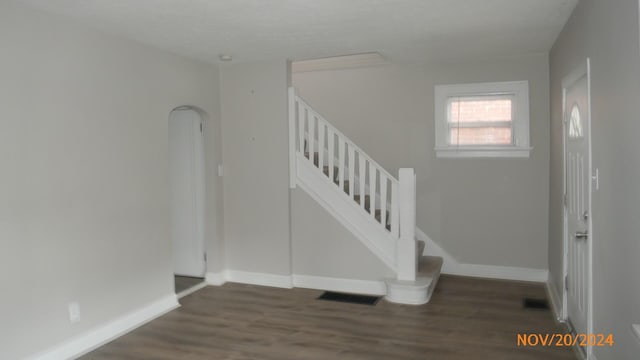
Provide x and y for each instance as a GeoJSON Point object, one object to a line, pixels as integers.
{"type": "Point", "coordinates": [377, 208]}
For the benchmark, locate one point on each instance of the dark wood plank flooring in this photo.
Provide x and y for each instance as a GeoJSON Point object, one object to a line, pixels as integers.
{"type": "Point", "coordinates": [466, 319]}
{"type": "Point", "coordinates": [185, 282]}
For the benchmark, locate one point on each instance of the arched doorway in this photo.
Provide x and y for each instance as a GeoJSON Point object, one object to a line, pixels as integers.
{"type": "Point", "coordinates": [187, 196]}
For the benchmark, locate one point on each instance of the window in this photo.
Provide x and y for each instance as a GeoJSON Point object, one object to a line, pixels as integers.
{"type": "Point", "coordinates": [575, 125]}
{"type": "Point", "coordinates": [482, 120]}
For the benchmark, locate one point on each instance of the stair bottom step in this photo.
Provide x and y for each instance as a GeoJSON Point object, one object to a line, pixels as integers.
{"type": "Point", "coordinates": [416, 292]}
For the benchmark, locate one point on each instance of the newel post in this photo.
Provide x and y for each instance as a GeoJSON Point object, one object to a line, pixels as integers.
{"type": "Point", "coordinates": [292, 137]}
{"type": "Point", "coordinates": [406, 251]}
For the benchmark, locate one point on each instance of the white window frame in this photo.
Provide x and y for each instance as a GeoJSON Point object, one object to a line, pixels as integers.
{"type": "Point", "coordinates": [520, 92]}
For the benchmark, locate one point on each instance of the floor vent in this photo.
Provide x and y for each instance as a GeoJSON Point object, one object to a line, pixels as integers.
{"type": "Point", "coordinates": [531, 303]}
{"type": "Point", "coordinates": [349, 298]}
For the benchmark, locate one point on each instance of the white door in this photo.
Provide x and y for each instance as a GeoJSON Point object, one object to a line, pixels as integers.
{"type": "Point", "coordinates": [186, 176]}
{"type": "Point", "coordinates": [578, 197]}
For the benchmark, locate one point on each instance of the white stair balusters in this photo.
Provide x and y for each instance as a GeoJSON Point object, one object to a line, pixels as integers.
{"type": "Point", "coordinates": [378, 195]}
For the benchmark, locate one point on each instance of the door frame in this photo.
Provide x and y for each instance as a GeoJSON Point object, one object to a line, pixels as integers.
{"type": "Point", "coordinates": [580, 71]}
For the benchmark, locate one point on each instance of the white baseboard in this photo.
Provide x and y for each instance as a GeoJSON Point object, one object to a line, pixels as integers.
{"type": "Point", "coordinates": [264, 279]}
{"type": "Point", "coordinates": [101, 335]}
{"type": "Point", "coordinates": [215, 278]}
{"type": "Point", "coordinates": [451, 266]}
{"type": "Point", "coordinates": [555, 299]}
{"type": "Point", "coordinates": [371, 287]}
{"type": "Point", "coordinates": [501, 272]}
{"type": "Point", "coordinates": [191, 290]}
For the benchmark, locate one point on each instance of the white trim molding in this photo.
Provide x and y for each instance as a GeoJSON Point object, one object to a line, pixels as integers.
{"type": "Point", "coordinates": [215, 278]}
{"type": "Point", "coordinates": [371, 287]}
{"type": "Point", "coordinates": [502, 272]}
{"type": "Point", "coordinates": [416, 292]}
{"type": "Point", "coordinates": [555, 299]}
{"type": "Point", "coordinates": [263, 279]}
{"type": "Point", "coordinates": [451, 266]}
{"type": "Point", "coordinates": [483, 152]}
{"type": "Point", "coordinates": [101, 335]}
{"type": "Point", "coordinates": [191, 290]}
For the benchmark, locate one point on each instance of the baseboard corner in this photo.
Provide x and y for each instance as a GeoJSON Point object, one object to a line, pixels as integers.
{"type": "Point", "coordinates": [257, 278]}
{"type": "Point", "coordinates": [215, 278]}
{"type": "Point", "coordinates": [102, 334]}
{"type": "Point", "coordinates": [554, 298]}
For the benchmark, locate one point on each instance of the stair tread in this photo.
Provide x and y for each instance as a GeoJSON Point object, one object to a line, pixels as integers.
{"type": "Point", "coordinates": [429, 266]}
{"type": "Point", "coordinates": [427, 275]}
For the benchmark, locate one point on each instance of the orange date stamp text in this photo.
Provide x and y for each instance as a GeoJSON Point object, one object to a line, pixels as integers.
{"type": "Point", "coordinates": [565, 340]}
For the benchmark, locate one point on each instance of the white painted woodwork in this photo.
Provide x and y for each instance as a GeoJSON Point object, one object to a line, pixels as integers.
{"type": "Point", "coordinates": [372, 191]}
{"type": "Point", "coordinates": [395, 209]}
{"type": "Point", "coordinates": [311, 136]}
{"type": "Point", "coordinates": [396, 245]}
{"type": "Point", "coordinates": [292, 138]}
{"type": "Point", "coordinates": [341, 163]}
{"type": "Point", "coordinates": [330, 152]}
{"type": "Point", "coordinates": [186, 176]}
{"type": "Point", "coordinates": [361, 175]}
{"type": "Point", "coordinates": [321, 132]}
{"type": "Point", "coordinates": [352, 169]}
{"type": "Point", "coordinates": [301, 116]}
{"type": "Point", "coordinates": [383, 200]}
{"type": "Point", "coordinates": [410, 292]}
{"type": "Point", "coordinates": [407, 242]}
{"type": "Point", "coordinates": [578, 191]}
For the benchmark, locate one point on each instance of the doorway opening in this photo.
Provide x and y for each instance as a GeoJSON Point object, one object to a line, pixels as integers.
{"type": "Point", "coordinates": [187, 198]}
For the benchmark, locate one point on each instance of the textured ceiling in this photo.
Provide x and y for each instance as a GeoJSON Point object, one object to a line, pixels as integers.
{"type": "Point", "coordinates": [255, 30]}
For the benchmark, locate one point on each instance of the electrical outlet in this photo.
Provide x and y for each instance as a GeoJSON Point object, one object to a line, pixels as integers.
{"type": "Point", "coordinates": [74, 312]}
{"type": "Point", "coordinates": [220, 170]}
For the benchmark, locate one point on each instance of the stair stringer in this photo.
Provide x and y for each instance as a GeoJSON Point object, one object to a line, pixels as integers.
{"type": "Point", "coordinates": [326, 193]}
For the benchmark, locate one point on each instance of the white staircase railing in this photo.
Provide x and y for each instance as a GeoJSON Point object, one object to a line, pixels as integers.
{"type": "Point", "coordinates": [385, 200]}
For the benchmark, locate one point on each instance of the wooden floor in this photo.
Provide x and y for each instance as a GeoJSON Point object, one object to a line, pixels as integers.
{"type": "Point", "coordinates": [466, 319]}
{"type": "Point", "coordinates": [185, 282]}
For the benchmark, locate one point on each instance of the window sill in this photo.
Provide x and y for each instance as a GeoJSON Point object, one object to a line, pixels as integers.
{"type": "Point", "coordinates": [483, 151]}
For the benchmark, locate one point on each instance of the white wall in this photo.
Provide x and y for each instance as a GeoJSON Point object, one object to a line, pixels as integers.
{"type": "Point", "coordinates": [84, 187]}
{"type": "Point", "coordinates": [606, 32]}
{"type": "Point", "coordinates": [482, 211]}
{"type": "Point", "coordinates": [322, 246]}
{"type": "Point", "coordinates": [256, 167]}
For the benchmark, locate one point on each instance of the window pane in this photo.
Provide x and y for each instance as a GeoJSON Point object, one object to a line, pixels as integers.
{"type": "Point", "coordinates": [575, 125]}
{"type": "Point", "coordinates": [474, 109]}
{"type": "Point", "coordinates": [481, 136]}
